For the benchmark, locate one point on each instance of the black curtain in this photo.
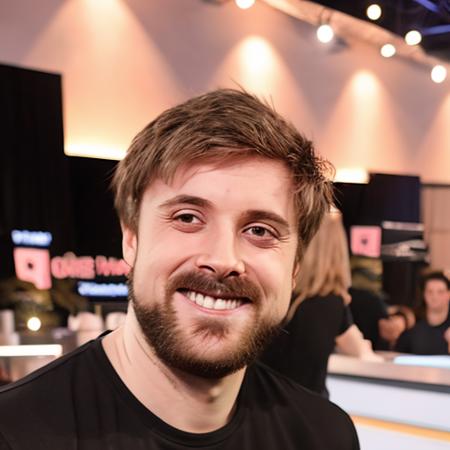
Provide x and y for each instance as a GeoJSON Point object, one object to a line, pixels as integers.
{"type": "Point", "coordinates": [34, 183]}
{"type": "Point", "coordinates": [97, 228]}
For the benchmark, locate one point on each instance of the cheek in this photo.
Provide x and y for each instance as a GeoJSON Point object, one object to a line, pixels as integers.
{"type": "Point", "coordinates": [276, 281]}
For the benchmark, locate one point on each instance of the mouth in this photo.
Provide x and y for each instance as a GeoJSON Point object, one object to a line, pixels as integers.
{"type": "Point", "coordinates": [213, 302]}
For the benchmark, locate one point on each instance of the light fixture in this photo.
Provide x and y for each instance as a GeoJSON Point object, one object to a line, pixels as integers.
{"type": "Point", "coordinates": [34, 323]}
{"type": "Point", "coordinates": [325, 33]}
{"type": "Point", "coordinates": [373, 12]}
{"type": "Point", "coordinates": [388, 50]}
{"type": "Point", "coordinates": [413, 37]}
{"type": "Point", "coordinates": [351, 175]}
{"type": "Point", "coordinates": [31, 350]}
{"type": "Point", "coordinates": [245, 4]}
{"type": "Point", "coordinates": [438, 73]}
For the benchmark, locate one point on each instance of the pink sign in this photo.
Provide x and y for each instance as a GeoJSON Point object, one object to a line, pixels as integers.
{"type": "Point", "coordinates": [33, 265]}
{"type": "Point", "coordinates": [365, 240]}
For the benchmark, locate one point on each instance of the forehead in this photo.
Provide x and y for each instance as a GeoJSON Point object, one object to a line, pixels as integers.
{"type": "Point", "coordinates": [250, 169]}
{"type": "Point", "coordinates": [436, 284]}
{"type": "Point", "coordinates": [253, 182]}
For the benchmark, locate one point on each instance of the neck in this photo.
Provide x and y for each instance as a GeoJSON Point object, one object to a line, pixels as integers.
{"type": "Point", "coordinates": [436, 317]}
{"type": "Point", "coordinates": [184, 401]}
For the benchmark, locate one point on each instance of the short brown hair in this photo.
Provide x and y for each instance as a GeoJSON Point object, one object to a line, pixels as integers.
{"type": "Point", "coordinates": [220, 125]}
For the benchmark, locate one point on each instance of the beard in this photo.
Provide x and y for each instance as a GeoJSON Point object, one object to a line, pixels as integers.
{"type": "Point", "coordinates": [175, 346]}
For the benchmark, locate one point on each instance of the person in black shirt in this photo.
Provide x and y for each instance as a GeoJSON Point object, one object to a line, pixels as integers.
{"type": "Point", "coordinates": [319, 318]}
{"type": "Point", "coordinates": [431, 334]}
{"type": "Point", "coordinates": [218, 198]}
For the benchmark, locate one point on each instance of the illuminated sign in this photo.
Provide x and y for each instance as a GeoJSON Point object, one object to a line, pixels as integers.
{"type": "Point", "coordinates": [365, 240]}
{"type": "Point", "coordinates": [34, 265]}
{"type": "Point", "coordinates": [34, 238]}
{"type": "Point", "coordinates": [91, 289]}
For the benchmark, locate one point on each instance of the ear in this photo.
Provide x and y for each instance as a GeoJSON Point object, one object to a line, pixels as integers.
{"type": "Point", "coordinates": [295, 272]}
{"type": "Point", "coordinates": [129, 245]}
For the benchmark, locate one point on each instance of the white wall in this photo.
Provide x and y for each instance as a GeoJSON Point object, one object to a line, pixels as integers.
{"type": "Point", "coordinates": [124, 61]}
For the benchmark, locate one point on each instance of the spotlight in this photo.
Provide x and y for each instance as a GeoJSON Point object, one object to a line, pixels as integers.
{"type": "Point", "coordinates": [387, 50]}
{"type": "Point", "coordinates": [413, 37]}
{"type": "Point", "coordinates": [373, 12]}
{"type": "Point", "coordinates": [245, 4]}
{"type": "Point", "coordinates": [438, 73]}
{"type": "Point", "coordinates": [325, 33]}
{"type": "Point", "coordinates": [34, 323]}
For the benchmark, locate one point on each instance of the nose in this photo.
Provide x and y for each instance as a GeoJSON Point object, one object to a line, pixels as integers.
{"type": "Point", "coordinates": [220, 255]}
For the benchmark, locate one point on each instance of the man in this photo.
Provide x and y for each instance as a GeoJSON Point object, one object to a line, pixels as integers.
{"type": "Point", "coordinates": [431, 334]}
{"type": "Point", "coordinates": [218, 198]}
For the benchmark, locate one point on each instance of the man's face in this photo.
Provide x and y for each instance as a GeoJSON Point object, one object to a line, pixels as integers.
{"type": "Point", "coordinates": [213, 263]}
{"type": "Point", "coordinates": [436, 295]}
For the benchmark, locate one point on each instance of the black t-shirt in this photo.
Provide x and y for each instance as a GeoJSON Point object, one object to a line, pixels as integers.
{"type": "Point", "coordinates": [79, 402]}
{"type": "Point", "coordinates": [302, 349]}
{"type": "Point", "coordinates": [424, 339]}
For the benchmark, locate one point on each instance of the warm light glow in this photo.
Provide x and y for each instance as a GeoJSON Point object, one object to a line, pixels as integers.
{"type": "Point", "coordinates": [257, 62]}
{"type": "Point", "coordinates": [257, 55]}
{"type": "Point", "coordinates": [245, 4]}
{"type": "Point", "coordinates": [351, 175]}
{"type": "Point", "coordinates": [94, 151]}
{"type": "Point", "coordinates": [438, 73]}
{"type": "Point", "coordinates": [374, 12]}
{"type": "Point", "coordinates": [413, 37]}
{"type": "Point", "coordinates": [30, 350]}
{"type": "Point", "coordinates": [364, 84]}
{"type": "Point", "coordinates": [34, 323]}
{"type": "Point", "coordinates": [387, 50]}
{"type": "Point", "coordinates": [325, 33]}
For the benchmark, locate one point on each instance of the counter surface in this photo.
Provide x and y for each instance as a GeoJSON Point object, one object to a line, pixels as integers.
{"type": "Point", "coordinates": [388, 372]}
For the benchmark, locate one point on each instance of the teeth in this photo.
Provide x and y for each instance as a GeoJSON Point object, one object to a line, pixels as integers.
{"type": "Point", "coordinates": [220, 304]}
{"type": "Point", "coordinates": [200, 299]}
{"type": "Point", "coordinates": [209, 302]}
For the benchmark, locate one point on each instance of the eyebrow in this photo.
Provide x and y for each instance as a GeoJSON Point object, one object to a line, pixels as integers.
{"type": "Point", "coordinates": [186, 199]}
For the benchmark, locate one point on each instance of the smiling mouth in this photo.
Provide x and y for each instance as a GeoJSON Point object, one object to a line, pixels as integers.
{"type": "Point", "coordinates": [213, 303]}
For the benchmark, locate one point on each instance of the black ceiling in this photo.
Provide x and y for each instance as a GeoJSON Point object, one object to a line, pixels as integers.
{"type": "Point", "coordinates": [430, 17]}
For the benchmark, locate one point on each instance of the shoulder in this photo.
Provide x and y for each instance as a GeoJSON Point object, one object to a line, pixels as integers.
{"type": "Point", "coordinates": [49, 386]}
{"type": "Point", "coordinates": [48, 371]}
{"type": "Point", "coordinates": [298, 405]}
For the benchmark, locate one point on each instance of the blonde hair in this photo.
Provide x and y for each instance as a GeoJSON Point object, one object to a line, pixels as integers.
{"type": "Point", "coordinates": [325, 267]}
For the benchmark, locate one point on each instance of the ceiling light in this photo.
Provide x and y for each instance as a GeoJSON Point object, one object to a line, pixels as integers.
{"type": "Point", "coordinates": [438, 73]}
{"type": "Point", "coordinates": [373, 12]}
{"type": "Point", "coordinates": [325, 33]}
{"type": "Point", "coordinates": [245, 4]}
{"type": "Point", "coordinates": [387, 50]}
{"type": "Point", "coordinates": [413, 37]}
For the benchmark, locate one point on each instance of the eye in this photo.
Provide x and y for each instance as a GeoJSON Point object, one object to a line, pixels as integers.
{"type": "Point", "coordinates": [262, 236]}
{"type": "Point", "coordinates": [187, 218]}
{"type": "Point", "coordinates": [187, 222]}
{"type": "Point", "coordinates": [260, 231]}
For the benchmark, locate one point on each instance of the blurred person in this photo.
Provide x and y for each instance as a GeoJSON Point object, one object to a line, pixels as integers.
{"type": "Point", "coordinates": [319, 319]}
{"type": "Point", "coordinates": [430, 335]}
{"type": "Point", "coordinates": [218, 198]}
{"type": "Point", "coordinates": [378, 321]}
{"type": "Point", "coordinates": [399, 319]}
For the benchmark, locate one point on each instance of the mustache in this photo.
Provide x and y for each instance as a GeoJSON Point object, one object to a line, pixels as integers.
{"type": "Point", "coordinates": [226, 288]}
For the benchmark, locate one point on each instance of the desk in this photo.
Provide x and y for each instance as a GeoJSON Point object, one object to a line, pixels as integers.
{"type": "Point", "coordinates": [390, 403]}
